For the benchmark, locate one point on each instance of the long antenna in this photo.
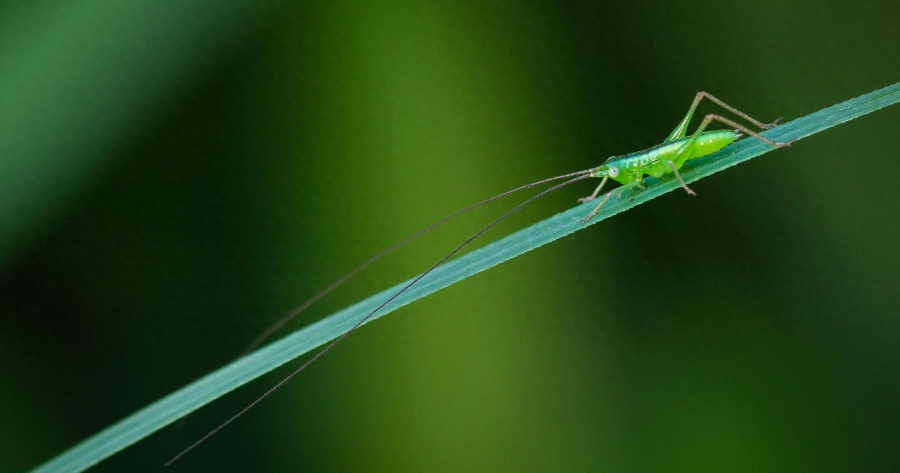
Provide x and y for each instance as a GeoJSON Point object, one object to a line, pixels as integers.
{"type": "Point", "coordinates": [341, 280]}
{"type": "Point", "coordinates": [367, 317]}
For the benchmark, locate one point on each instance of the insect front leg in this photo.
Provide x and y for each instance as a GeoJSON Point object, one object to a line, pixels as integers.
{"type": "Point", "coordinates": [606, 197]}
{"type": "Point", "coordinates": [589, 216]}
{"type": "Point", "coordinates": [596, 191]}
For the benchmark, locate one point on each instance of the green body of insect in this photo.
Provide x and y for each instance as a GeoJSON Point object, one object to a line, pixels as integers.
{"type": "Point", "coordinates": [655, 161]}
{"type": "Point", "coordinates": [672, 153]}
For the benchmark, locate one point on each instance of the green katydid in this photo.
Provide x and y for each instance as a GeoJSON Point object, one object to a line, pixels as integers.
{"type": "Point", "coordinates": [629, 170]}
{"type": "Point", "coordinates": [672, 153]}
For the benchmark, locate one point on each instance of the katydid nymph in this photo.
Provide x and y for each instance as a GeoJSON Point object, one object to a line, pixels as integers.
{"type": "Point", "coordinates": [671, 154]}
{"type": "Point", "coordinates": [629, 170]}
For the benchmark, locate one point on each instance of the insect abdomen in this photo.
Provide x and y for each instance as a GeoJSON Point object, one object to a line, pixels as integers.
{"type": "Point", "coordinates": [712, 141]}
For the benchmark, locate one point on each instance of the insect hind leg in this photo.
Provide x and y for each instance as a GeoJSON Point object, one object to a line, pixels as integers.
{"type": "Point", "coordinates": [742, 128]}
{"type": "Point", "coordinates": [681, 130]}
{"type": "Point", "coordinates": [684, 151]}
{"type": "Point", "coordinates": [764, 126]}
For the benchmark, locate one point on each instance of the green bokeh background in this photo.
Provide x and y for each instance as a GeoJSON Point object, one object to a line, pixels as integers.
{"type": "Point", "coordinates": [178, 175]}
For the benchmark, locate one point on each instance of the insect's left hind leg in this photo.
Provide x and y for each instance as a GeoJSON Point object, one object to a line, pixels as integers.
{"type": "Point", "coordinates": [684, 151]}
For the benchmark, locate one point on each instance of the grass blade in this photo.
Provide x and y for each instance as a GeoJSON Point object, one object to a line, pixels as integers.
{"type": "Point", "coordinates": [191, 397]}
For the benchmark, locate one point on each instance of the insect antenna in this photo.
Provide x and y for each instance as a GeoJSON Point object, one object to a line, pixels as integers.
{"type": "Point", "coordinates": [271, 329]}
{"type": "Point", "coordinates": [341, 280]}
{"type": "Point", "coordinates": [581, 175]}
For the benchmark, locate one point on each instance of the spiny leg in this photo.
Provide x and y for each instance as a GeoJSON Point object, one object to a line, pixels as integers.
{"type": "Point", "coordinates": [596, 191]}
{"type": "Point", "coordinates": [589, 216]}
{"type": "Point", "coordinates": [680, 179]}
{"type": "Point", "coordinates": [764, 126]}
{"type": "Point", "coordinates": [777, 144]}
{"type": "Point", "coordinates": [681, 130]}
{"type": "Point", "coordinates": [683, 152]}
{"type": "Point", "coordinates": [606, 197]}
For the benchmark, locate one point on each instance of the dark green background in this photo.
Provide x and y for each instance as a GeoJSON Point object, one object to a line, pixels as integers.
{"type": "Point", "coordinates": [174, 176]}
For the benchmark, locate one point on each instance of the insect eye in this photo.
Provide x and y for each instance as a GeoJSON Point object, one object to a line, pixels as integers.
{"type": "Point", "coordinates": [613, 171]}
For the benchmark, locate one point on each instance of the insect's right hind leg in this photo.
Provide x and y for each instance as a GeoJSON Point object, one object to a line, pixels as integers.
{"type": "Point", "coordinates": [681, 130]}
{"type": "Point", "coordinates": [764, 126]}
{"type": "Point", "coordinates": [684, 151]}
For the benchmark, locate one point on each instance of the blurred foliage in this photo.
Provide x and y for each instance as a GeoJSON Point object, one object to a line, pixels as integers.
{"type": "Point", "coordinates": [177, 176]}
